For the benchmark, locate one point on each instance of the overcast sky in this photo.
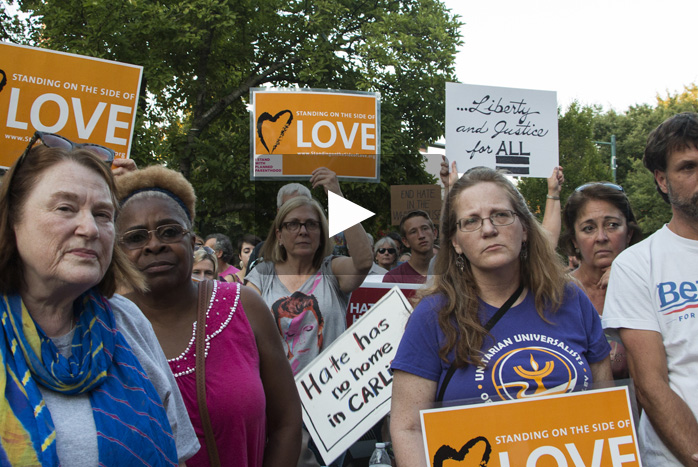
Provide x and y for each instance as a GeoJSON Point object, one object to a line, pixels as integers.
{"type": "Point", "coordinates": [615, 53]}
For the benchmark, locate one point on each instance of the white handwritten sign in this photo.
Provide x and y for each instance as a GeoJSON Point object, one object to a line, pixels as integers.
{"type": "Point", "coordinates": [348, 387]}
{"type": "Point", "coordinates": [502, 128]}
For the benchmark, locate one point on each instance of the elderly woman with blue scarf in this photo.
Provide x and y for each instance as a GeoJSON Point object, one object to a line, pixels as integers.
{"type": "Point", "coordinates": [83, 377]}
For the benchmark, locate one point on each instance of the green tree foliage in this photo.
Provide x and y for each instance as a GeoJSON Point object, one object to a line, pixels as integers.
{"type": "Point", "coordinates": [201, 57]}
{"type": "Point", "coordinates": [632, 129]}
{"type": "Point", "coordinates": [650, 210]}
{"type": "Point", "coordinates": [579, 157]}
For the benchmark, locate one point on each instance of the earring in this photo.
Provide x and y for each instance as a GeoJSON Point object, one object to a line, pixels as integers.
{"type": "Point", "coordinates": [576, 250]}
{"type": "Point", "coordinates": [524, 251]}
{"type": "Point", "coordinates": [460, 262]}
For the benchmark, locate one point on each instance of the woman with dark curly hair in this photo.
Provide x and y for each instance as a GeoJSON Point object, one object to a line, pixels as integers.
{"type": "Point", "coordinates": [599, 224]}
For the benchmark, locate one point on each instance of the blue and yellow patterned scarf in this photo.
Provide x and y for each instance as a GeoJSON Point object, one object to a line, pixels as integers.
{"type": "Point", "coordinates": [132, 426]}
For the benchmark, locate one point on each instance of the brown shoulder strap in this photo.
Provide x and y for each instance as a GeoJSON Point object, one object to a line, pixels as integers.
{"type": "Point", "coordinates": [205, 290]}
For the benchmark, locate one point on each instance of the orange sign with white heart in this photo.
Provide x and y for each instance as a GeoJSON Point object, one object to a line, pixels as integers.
{"type": "Point", "coordinates": [85, 99]}
{"type": "Point", "coordinates": [294, 132]}
{"type": "Point", "coordinates": [591, 428]}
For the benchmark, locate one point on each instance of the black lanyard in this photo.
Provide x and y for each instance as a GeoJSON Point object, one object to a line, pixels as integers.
{"type": "Point", "coordinates": [488, 326]}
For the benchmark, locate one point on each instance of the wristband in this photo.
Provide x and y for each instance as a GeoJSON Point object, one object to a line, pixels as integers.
{"type": "Point", "coordinates": [553, 197]}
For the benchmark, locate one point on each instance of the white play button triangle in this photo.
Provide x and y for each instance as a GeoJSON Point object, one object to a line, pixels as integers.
{"type": "Point", "coordinates": [344, 214]}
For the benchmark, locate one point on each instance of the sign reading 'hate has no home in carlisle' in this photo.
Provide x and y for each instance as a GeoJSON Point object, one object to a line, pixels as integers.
{"type": "Point", "coordinates": [348, 387]}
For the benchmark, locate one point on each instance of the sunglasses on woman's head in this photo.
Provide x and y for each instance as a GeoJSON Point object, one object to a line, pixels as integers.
{"type": "Point", "coordinates": [52, 140]}
{"type": "Point", "coordinates": [392, 251]}
{"type": "Point", "coordinates": [207, 249]}
{"type": "Point", "coordinates": [606, 184]}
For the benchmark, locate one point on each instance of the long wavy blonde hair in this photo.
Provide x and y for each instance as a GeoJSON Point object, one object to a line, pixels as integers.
{"type": "Point", "coordinates": [541, 270]}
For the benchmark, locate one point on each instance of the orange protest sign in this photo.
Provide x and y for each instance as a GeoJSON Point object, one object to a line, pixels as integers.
{"type": "Point", "coordinates": [294, 132]}
{"type": "Point", "coordinates": [82, 98]}
{"type": "Point", "coordinates": [591, 428]}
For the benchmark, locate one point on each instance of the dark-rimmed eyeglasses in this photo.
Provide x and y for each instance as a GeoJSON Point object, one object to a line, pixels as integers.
{"type": "Point", "coordinates": [294, 226]}
{"type": "Point", "coordinates": [52, 140]}
{"type": "Point", "coordinates": [497, 218]}
{"type": "Point", "coordinates": [138, 238]}
{"type": "Point", "coordinates": [606, 184]}
{"type": "Point", "coordinates": [382, 251]}
{"type": "Point", "coordinates": [207, 249]}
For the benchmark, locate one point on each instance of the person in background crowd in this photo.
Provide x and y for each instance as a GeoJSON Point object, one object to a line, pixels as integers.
{"type": "Point", "coordinates": [599, 224]}
{"type": "Point", "coordinates": [397, 238]}
{"type": "Point", "coordinates": [572, 263]}
{"type": "Point", "coordinates": [71, 350]}
{"type": "Point", "coordinates": [305, 286]}
{"type": "Point", "coordinates": [494, 252]}
{"type": "Point", "coordinates": [245, 246]}
{"type": "Point", "coordinates": [385, 253]}
{"type": "Point", "coordinates": [205, 264]}
{"type": "Point", "coordinates": [221, 244]}
{"type": "Point", "coordinates": [404, 256]}
{"type": "Point", "coordinates": [286, 192]}
{"type": "Point", "coordinates": [198, 241]}
{"type": "Point", "coordinates": [256, 419]}
{"type": "Point", "coordinates": [651, 300]}
{"type": "Point", "coordinates": [418, 234]}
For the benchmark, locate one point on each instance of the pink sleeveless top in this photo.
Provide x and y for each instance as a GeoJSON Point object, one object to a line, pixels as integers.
{"type": "Point", "coordinates": [234, 391]}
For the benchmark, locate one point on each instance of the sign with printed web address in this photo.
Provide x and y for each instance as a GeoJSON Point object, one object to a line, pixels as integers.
{"type": "Point", "coordinates": [84, 99]}
{"type": "Point", "coordinates": [295, 131]}
{"type": "Point", "coordinates": [348, 387]}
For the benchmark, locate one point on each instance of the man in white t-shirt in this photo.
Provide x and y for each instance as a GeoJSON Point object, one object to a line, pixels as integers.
{"type": "Point", "coordinates": [652, 299]}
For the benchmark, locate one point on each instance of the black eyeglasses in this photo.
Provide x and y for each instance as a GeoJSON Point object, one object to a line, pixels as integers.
{"type": "Point", "coordinates": [52, 140]}
{"type": "Point", "coordinates": [392, 251]}
{"type": "Point", "coordinates": [606, 184]}
{"type": "Point", "coordinates": [207, 249]}
{"type": "Point", "coordinates": [138, 238]}
{"type": "Point", "coordinates": [497, 218]}
{"type": "Point", "coordinates": [294, 226]}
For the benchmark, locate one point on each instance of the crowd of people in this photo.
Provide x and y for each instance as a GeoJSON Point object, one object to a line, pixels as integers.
{"type": "Point", "coordinates": [129, 337]}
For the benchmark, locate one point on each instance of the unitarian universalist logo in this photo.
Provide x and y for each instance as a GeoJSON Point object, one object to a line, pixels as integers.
{"type": "Point", "coordinates": [514, 380]}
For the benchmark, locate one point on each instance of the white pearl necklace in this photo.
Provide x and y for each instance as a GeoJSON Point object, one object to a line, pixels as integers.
{"type": "Point", "coordinates": [184, 355]}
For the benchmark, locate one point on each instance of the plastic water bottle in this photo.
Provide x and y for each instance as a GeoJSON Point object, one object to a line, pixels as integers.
{"type": "Point", "coordinates": [380, 457]}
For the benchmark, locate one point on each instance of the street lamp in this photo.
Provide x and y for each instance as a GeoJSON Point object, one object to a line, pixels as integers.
{"type": "Point", "coordinates": [613, 154]}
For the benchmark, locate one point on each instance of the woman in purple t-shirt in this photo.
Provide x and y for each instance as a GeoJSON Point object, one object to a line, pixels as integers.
{"type": "Point", "coordinates": [493, 252]}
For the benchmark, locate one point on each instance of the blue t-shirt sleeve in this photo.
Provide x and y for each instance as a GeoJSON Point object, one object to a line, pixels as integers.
{"type": "Point", "coordinates": [418, 352]}
{"type": "Point", "coordinates": [597, 345]}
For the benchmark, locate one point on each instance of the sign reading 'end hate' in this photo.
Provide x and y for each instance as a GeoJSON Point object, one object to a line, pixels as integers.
{"type": "Point", "coordinates": [348, 387]}
{"type": "Point", "coordinates": [406, 198]}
